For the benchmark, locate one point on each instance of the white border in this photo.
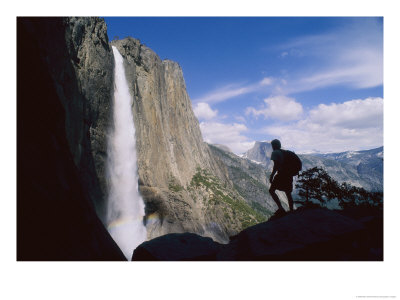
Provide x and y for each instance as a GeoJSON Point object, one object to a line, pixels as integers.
{"type": "Point", "coordinates": [265, 280]}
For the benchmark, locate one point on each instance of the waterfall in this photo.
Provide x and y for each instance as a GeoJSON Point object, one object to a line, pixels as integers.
{"type": "Point", "coordinates": [125, 208]}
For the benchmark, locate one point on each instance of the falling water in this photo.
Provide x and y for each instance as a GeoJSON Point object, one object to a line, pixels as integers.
{"type": "Point", "coordinates": [125, 209]}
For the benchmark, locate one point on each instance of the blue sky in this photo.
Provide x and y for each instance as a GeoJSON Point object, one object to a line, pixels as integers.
{"type": "Point", "coordinates": [314, 83]}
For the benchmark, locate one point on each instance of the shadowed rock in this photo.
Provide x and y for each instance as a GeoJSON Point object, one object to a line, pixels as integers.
{"type": "Point", "coordinates": [177, 247]}
{"type": "Point", "coordinates": [314, 234]}
{"type": "Point", "coordinates": [304, 235]}
{"type": "Point", "coordinates": [56, 219]}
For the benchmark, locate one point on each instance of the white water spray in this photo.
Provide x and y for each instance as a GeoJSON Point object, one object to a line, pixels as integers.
{"type": "Point", "coordinates": [125, 209]}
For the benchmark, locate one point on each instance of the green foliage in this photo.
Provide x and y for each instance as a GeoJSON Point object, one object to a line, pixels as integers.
{"type": "Point", "coordinates": [250, 180]}
{"type": "Point", "coordinates": [315, 183]}
{"type": "Point", "coordinates": [220, 197]}
{"type": "Point", "coordinates": [173, 185]}
{"type": "Point", "coordinates": [258, 207]}
{"type": "Point", "coordinates": [203, 178]}
{"type": "Point", "coordinates": [351, 196]}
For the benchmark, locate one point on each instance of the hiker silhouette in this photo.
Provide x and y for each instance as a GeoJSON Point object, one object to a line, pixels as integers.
{"type": "Point", "coordinates": [281, 178]}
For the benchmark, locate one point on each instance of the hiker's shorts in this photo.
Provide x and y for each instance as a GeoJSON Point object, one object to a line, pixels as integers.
{"type": "Point", "coordinates": [282, 182]}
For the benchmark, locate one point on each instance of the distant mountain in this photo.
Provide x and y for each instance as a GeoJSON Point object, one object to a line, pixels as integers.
{"type": "Point", "coordinates": [260, 153]}
{"type": "Point", "coordinates": [365, 160]}
{"type": "Point", "coordinates": [358, 168]}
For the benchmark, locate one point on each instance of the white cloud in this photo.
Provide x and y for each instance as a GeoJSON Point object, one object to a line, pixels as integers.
{"type": "Point", "coordinates": [232, 91]}
{"type": "Point", "coordinates": [352, 114]}
{"type": "Point", "coordinates": [223, 94]}
{"type": "Point", "coordinates": [203, 111]}
{"type": "Point", "coordinates": [284, 54]}
{"type": "Point", "coordinates": [240, 119]}
{"type": "Point", "coordinates": [279, 107]}
{"type": "Point", "coordinates": [359, 68]}
{"type": "Point", "coordinates": [351, 56]}
{"type": "Point", "coordinates": [266, 81]}
{"type": "Point", "coordinates": [230, 135]}
{"type": "Point", "coordinates": [352, 125]}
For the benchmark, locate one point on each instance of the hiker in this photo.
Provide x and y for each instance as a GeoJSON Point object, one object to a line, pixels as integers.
{"type": "Point", "coordinates": [283, 180]}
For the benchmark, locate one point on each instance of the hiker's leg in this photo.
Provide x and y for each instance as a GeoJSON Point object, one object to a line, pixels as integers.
{"type": "Point", "coordinates": [275, 197]}
{"type": "Point", "coordinates": [290, 200]}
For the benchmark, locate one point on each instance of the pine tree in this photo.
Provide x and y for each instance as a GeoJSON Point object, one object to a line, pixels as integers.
{"type": "Point", "coordinates": [315, 183]}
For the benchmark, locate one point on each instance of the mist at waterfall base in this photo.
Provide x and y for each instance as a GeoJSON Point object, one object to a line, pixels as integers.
{"type": "Point", "coordinates": [125, 209]}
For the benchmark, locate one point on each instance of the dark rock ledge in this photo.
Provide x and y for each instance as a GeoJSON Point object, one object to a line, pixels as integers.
{"type": "Point", "coordinates": [305, 235]}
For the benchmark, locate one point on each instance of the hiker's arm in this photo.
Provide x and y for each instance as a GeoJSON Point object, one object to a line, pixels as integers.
{"type": "Point", "coordinates": [274, 170]}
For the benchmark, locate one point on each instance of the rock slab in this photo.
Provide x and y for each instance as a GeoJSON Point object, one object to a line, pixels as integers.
{"type": "Point", "coordinates": [178, 247]}
{"type": "Point", "coordinates": [305, 235]}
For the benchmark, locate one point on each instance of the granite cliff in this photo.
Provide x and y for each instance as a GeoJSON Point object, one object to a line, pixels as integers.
{"type": "Point", "coordinates": [185, 187]}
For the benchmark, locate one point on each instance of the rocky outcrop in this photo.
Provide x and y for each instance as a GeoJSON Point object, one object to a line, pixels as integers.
{"type": "Point", "coordinates": [304, 235]}
{"type": "Point", "coordinates": [56, 174]}
{"type": "Point", "coordinates": [178, 247]}
{"type": "Point", "coordinates": [315, 234]}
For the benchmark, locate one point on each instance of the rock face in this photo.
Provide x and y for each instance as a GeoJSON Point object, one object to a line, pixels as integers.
{"type": "Point", "coordinates": [251, 180]}
{"type": "Point", "coordinates": [56, 174]}
{"type": "Point", "coordinates": [164, 118]}
{"type": "Point", "coordinates": [93, 64]}
{"type": "Point", "coordinates": [176, 167]}
{"type": "Point", "coordinates": [304, 235]}
{"type": "Point", "coordinates": [80, 63]}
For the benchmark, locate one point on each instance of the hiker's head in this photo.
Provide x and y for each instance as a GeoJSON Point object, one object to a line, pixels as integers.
{"type": "Point", "coordinates": [276, 144]}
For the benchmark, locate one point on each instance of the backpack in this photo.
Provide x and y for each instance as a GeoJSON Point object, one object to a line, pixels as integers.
{"type": "Point", "coordinates": [291, 163]}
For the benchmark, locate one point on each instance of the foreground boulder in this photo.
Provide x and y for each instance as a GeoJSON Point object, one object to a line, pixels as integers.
{"type": "Point", "coordinates": [178, 247]}
{"type": "Point", "coordinates": [310, 234]}
{"type": "Point", "coordinates": [304, 235]}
